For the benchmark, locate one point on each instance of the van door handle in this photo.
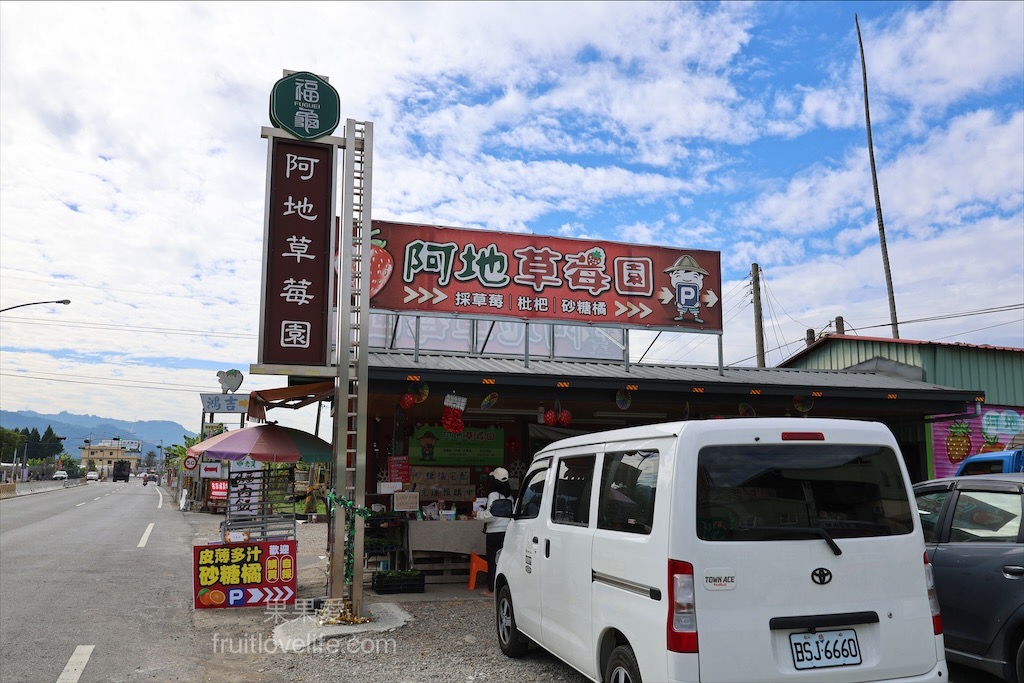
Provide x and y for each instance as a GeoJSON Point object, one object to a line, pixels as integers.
{"type": "Point", "coordinates": [1013, 570]}
{"type": "Point", "coordinates": [547, 547]}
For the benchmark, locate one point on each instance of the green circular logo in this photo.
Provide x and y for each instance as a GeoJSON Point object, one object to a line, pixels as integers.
{"type": "Point", "coordinates": [305, 105]}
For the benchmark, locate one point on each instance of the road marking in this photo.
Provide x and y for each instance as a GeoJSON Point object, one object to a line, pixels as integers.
{"type": "Point", "coordinates": [145, 536]}
{"type": "Point", "coordinates": [81, 504]}
{"type": "Point", "coordinates": [76, 665]}
{"type": "Point", "coordinates": [97, 497]}
{"type": "Point", "coordinates": [161, 504]}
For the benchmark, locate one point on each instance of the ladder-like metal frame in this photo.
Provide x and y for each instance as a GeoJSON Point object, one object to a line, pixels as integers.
{"type": "Point", "coordinates": [351, 350]}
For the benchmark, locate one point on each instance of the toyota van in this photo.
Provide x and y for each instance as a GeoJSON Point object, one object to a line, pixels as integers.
{"type": "Point", "coordinates": [744, 550]}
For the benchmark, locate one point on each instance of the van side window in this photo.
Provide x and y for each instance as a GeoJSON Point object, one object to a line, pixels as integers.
{"type": "Point", "coordinates": [572, 491]}
{"type": "Point", "coordinates": [530, 495]}
{"type": "Point", "coordinates": [628, 484]}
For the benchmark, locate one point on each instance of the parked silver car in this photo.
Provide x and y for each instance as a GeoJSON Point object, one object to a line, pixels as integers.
{"type": "Point", "coordinates": [975, 542]}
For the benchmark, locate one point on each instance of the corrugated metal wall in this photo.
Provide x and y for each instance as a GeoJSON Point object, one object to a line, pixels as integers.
{"type": "Point", "coordinates": [1000, 374]}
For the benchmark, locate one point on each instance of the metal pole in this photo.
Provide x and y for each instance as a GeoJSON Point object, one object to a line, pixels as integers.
{"type": "Point", "coordinates": [755, 285]}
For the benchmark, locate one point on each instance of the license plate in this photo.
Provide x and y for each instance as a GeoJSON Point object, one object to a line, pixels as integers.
{"type": "Point", "coordinates": [825, 648]}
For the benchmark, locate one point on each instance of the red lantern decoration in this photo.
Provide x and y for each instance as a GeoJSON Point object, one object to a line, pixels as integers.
{"type": "Point", "coordinates": [550, 419]}
{"type": "Point", "coordinates": [406, 401]}
{"type": "Point", "coordinates": [512, 445]}
{"type": "Point", "coordinates": [564, 418]}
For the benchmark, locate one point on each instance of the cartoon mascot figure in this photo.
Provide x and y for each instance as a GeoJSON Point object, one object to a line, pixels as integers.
{"type": "Point", "coordinates": [687, 279]}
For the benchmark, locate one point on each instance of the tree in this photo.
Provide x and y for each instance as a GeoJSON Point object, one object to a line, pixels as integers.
{"type": "Point", "coordinates": [50, 445]}
{"type": "Point", "coordinates": [177, 452]}
{"type": "Point", "coordinates": [12, 444]}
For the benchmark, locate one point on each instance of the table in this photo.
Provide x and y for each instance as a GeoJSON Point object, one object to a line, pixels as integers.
{"type": "Point", "coordinates": [464, 537]}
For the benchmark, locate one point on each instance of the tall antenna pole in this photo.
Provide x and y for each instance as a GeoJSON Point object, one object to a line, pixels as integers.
{"type": "Point", "coordinates": [874, 184]}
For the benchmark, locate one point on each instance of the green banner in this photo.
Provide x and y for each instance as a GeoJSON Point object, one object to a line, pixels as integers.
{"type": "Point", "coordinates": [433, 445]}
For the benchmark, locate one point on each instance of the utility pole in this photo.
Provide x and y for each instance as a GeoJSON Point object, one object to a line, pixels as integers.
{"type": "Point", "coordinates": [755, 285]}
{"type": "Point", "coordinates": [874, 184]}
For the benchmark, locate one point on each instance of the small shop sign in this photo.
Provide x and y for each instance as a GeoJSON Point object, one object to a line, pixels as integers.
{"type": "Point", "coordinates": [250, 574]}
{"type": "Point", "coordinates": [305, 105]}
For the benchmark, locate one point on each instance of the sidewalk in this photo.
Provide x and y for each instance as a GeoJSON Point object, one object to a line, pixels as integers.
{"type": "Point", "coordinates": [295, 628]}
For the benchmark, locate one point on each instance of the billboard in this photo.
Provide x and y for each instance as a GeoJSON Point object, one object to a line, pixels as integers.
{"type": "Point", "coordinates": [297, 258]}
{"type": "Point", "coordinates": [433, 270]}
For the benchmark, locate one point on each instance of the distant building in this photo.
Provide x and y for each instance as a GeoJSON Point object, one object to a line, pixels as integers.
{"type": "Point", "coordinates": [104, 453]}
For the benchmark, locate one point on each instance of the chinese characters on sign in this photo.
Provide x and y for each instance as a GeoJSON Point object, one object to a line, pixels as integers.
{"type": "Point", "coordinates": [244, 574]}
{"type": "Point", "coordinates": [299, 257]}
{"type": "Point", "coordinates": [305, 105]}
{"type": "Point", "coordinates": [548, 279]}
{"type": "Point", "coordinates": [224, 403]}
{"type": "Point", "coordinates": [244, 493]}
{"type": "Point", "coordinates": [448, 483]}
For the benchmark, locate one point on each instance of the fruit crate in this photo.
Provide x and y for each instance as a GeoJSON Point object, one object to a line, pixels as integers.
{"type": "Point", "coordinates": [403, 581]}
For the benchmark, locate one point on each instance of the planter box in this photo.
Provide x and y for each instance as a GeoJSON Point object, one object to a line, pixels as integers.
{"type": "Point", "coordinates": [397, 584]}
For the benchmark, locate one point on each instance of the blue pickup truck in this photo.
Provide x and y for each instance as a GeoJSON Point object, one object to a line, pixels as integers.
{"type": "Point", "coordinates": [993, 463]}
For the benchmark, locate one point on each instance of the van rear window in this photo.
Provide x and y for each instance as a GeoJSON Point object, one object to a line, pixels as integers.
{"type": "Point", "coordinates": [759, 492]}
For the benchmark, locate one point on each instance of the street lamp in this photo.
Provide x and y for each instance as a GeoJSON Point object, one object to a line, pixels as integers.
{"type": "Point", "coordinates": [36, 303]}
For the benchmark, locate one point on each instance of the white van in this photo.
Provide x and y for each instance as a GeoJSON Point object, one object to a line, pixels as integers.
{"type": "Point", "coordinates": [744, 550]}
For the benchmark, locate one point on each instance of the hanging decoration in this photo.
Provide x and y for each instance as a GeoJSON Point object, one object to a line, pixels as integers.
{"type": "Point", "coordinates": [550, 419]}
{"type": "Point", "coordinates": [623, 399]}
{"type": "Point", "coordinates": [489, 401]}
{"type": "Point", "coordinates": [803, 404]}
{"type": "Point", "coordinates": [512, 445]}
{"type": "Point", "coordinates": [420, 391]}
{"type": "Point", "coordinates": [333, 503]}
{"type": "Point", "coordinates": [406, 401]}
{"type": "Point", "coordinates": [746, 410]}
{"type": "Point", "coordinates": [451, 413]}
{"type": "Point", "coordinates": [564, 418]}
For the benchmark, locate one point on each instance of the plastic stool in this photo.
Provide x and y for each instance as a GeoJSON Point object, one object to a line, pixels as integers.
{"type": "Point", "coordinates": [476, 564]}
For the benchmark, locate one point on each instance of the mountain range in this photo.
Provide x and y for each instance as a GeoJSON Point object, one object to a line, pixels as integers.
{"type": "Point", "coordinates": [75, 429]}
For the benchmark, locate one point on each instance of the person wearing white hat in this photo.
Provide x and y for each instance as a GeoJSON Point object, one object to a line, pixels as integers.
{"type": "Point", "coordinates": [494, 529]}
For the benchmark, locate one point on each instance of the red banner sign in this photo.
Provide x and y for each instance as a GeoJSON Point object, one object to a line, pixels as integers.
{"type": "Point", "coordinates": [297, 281]}
{"type": "Point", "coordinates": [445, 271]}
{"type": "Point", "coordinates": [253, 574]}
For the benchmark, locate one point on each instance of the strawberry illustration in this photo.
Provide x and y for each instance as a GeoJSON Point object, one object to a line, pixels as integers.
{"type": "Point", "coordinates": [381, 264]}
{"type": "Point", "coordinates": [595, 257]}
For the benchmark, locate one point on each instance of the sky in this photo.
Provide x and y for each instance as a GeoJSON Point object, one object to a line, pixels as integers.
{"type": "Point", "coordinates": [133, 172]}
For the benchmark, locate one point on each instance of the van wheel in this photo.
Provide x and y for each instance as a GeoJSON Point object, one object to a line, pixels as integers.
{"type": "Point", "coordinates": [622, 666]}
{"type": "Point", "coordinates": [512, 642]}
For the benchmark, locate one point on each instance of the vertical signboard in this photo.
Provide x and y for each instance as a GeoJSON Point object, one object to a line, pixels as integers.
{"type": "Point", "coordinates": [298, 257]}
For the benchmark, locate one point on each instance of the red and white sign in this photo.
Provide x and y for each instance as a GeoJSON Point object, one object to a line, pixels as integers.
{"type": "Point", "coordinates": [191, 462]}
{"type": "Point", "coordinates": [219, 489]}
{"type": "Point", "coordinates": [254, 574]}
{"type": "Point", "coordinates": [453, 271]}
{"type": "Point", "coordinates": [210, 470]}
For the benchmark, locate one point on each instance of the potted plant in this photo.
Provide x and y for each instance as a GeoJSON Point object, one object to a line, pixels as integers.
{"type": "Point", "coordinates": [398, 581]}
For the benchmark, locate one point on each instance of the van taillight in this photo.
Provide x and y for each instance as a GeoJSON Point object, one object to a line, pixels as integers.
{"type": "Point", "coordinates": [933, 598]}
{"type": "Point", "coordinates": [681, 630]}
{"type": "Point", "coordinates": [803, 436]}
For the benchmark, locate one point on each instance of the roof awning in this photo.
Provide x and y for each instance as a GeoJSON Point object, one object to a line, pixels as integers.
{"type": "Point", "coordinates": [292, 397]}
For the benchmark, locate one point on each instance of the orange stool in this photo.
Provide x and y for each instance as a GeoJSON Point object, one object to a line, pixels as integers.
{"type": "Point", "coordinates": [476, 564]}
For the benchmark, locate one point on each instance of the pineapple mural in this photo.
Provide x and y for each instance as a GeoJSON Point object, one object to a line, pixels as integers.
{"type": "Point", "coordinates": [958, 441]}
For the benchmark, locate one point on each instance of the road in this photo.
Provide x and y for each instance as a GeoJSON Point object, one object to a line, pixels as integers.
{"type": "Point", "coordinates": [97, 575]}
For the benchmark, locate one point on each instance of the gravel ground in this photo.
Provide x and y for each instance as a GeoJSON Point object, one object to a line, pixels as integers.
{"type": "Point", "coordinates": [444, 640]}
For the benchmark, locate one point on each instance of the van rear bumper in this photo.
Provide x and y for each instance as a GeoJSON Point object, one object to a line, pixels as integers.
{"type": "Point", "coordinates": [688, 673]}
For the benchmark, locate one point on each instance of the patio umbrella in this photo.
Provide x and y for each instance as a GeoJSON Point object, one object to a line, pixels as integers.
{"type": "Point", "coordinates": [265, 443]}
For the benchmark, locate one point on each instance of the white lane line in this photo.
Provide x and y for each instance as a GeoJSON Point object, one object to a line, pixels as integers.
{"type": "Point", "coordinates": [145, 536]}
{"type": "Point", "coordinates": [76, 665]}
{"type": "Point", "coordinates": [97, 497]}
{"type": "Point", "coordinates": [161, 504]}
{"type": "Point", "coordinates": [81, 504]}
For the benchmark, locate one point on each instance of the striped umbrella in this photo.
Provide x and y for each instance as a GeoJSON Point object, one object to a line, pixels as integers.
{"type": "Point", "coordinates": [265, 443]}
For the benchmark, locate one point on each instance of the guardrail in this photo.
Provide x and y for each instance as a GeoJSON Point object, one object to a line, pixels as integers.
{"type": "Point", "coordinates": [20, 488]}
